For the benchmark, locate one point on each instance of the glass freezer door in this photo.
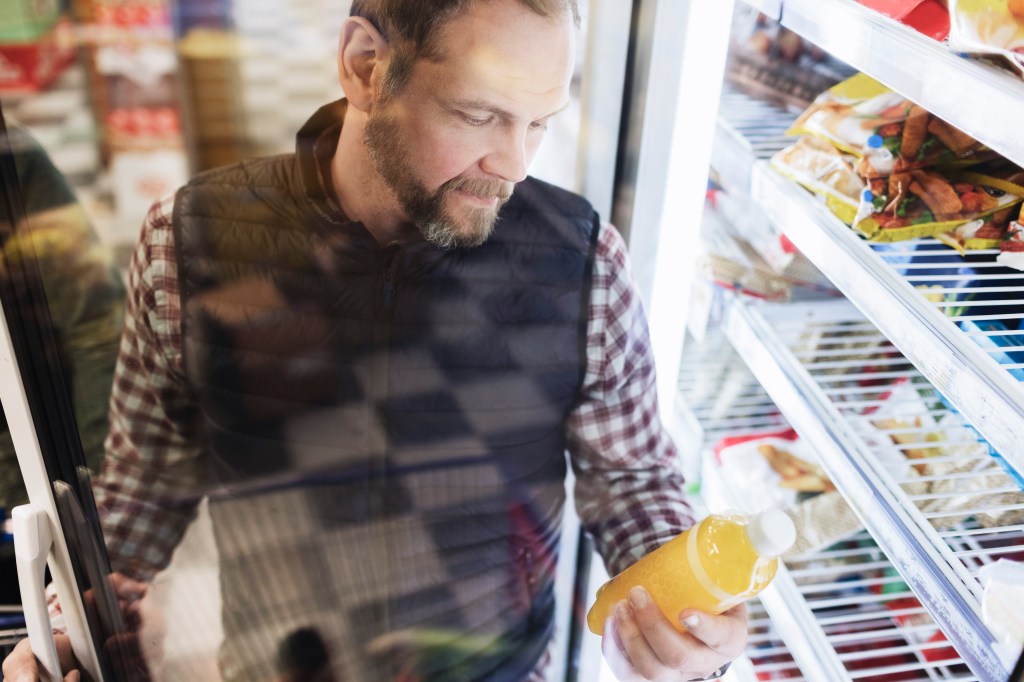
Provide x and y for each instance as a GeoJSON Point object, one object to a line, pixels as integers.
{"type": "Point", "coordinates": [288, 531]}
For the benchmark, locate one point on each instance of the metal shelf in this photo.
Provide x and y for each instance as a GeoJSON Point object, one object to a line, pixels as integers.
{"type": "Point", "coordinates": [829, 617]}
{"type": "Point", "coordinates": [770, 8]}
{"type": "Point", "coordinates": [830, 370]}
{"type": "Point", "coordinates": [979, 99]}
{"type": "Point", "coordinates": [978, 379]}
{"type": "Point", "coordinates": [747, 129]}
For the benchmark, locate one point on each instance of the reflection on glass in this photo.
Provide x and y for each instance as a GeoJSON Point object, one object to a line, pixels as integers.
{"type": "Point", "coordinates": [338, 425]}
{"type": "Point", "coordinates": [84, 294]}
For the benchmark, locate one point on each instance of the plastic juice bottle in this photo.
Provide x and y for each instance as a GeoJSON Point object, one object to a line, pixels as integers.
{"type": "Point", "coordinates": [712, 566]}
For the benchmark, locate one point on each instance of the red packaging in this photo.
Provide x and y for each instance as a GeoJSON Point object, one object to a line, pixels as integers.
{"type": "Point", "coordinates": [929, 17]}
{"type": "Point", "coordinates": [31, 66]}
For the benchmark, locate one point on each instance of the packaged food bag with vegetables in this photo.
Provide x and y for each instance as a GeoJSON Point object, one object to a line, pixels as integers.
{"type": "Point", "coordinates": [886, 132]}
{"type": "Point", "coordinates": [923, 203]}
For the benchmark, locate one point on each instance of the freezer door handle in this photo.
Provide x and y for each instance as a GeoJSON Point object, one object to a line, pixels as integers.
{"type": "Point", "coordinates": [32, 542]}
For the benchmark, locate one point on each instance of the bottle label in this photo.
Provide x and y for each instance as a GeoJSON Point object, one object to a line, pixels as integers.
{"type": "Point", "coordinates": [726, 600]}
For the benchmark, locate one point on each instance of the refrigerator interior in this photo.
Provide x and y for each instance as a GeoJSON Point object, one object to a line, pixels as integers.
{"type": "Point", "coordinates": [899, 371]}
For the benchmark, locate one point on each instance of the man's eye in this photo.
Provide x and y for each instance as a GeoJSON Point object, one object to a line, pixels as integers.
{"type": "Point", "coordinates": [474, 121]}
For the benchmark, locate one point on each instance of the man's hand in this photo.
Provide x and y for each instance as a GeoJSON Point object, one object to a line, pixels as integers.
{"type": "Point", "coordinates": [639, 643]}
{"type": "Point", "coordinates": [123, 648]}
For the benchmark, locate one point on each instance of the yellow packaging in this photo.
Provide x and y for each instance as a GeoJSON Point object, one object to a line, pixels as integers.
{"type": "Point", "coordinates": [825, 171]}
{"type": "Point", "coordinates": [988, 27]}
{"type": "Point", "coordinates": [924, 203]}
{"type": "Point", "coordinates": [885, 131]}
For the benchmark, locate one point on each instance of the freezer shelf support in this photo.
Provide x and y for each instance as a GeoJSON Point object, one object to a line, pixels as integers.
{"type": "Point", "coordinates": [937, 587]}
{"type": "Point", "coordinates": [984, 392]}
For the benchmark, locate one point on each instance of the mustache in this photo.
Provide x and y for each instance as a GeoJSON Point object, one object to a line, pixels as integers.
{"type": "Point", "coordinates": [484, 189]}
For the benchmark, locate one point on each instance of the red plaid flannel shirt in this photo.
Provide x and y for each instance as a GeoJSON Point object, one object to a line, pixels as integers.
{"type": "Point", "coordinates": [629, 488]}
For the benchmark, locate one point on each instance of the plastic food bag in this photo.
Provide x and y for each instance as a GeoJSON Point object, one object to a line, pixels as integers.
{"type": "Point", "coordinates": [773, 469]}
{"type": "Point", "coordinates": [988, 27]}
{"type": "Point", "coordinates": [728, 261]}
{"type": "Point", "coordinates": [824, 170]}
{"type": "Point", "coordinates": [980, 234]}
{"type": "Point", "coordinates": [1000, 605]}
{"type": "Point", "coordinates": [922, 203]}
{"type": "Point", "coordinates": [929, 17]}
{"type": "Point", "coordinates": [885, 131]}
{"type": "Point", "coordinates": [771, 62]}
{"type": "Point", "coordinates": [1012, 248]}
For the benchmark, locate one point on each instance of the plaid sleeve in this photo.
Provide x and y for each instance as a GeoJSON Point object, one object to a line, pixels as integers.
{"type": "Point", "coordinates": [151, 474]}
{"type": "Point", "coordinates": [629, 484]}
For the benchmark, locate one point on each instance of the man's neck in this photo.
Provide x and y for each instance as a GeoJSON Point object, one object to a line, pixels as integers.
{"type": "Point", "coordinates": [361, 191]}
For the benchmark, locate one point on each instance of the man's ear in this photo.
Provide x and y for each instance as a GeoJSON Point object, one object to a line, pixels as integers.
{"type": "Point", "coordinates": [362, 52]}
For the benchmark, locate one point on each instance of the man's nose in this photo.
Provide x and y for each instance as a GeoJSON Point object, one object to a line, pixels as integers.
{"type": "Point", "coordinates": [509, 157]}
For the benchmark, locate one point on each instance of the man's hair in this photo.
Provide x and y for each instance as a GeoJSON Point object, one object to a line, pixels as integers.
{"type": "Point", "coordinates": [413, 28]}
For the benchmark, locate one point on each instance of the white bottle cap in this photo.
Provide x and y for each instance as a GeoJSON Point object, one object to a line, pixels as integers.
{"type": "Point", "coordinates": [771, 532]}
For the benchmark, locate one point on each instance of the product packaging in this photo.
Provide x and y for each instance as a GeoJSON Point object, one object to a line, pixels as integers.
{"type": "Point", "coordinates": [1012, 248]}
{"type": "Point", "coordinates": [31, 64]}
{"type": "Point", "coordinates": [777, 469]}
{"type": "Point", "coordinates": [988, 27]}
{"type": "Point", "coordinates": [1003, 582]}
{"type": "Point", "coordinates": [885, 131]}
{"type": "Point", "coordinates": [824, 170]}
{"type": "Point", "coordinates": [769, 242]}
{"type": "Point", "coordinates": [929, 17]}
{"type": "Point", "coordinates": [771, 62]}
{"type": "Point", "coordinates": [728, 261]}
{"type": "Point", "coordinates": [923, 203]}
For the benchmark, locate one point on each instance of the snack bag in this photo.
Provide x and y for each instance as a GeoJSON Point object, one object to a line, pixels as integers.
{"type": "Point", "coordinates": [980, 234]}
{"type": "Point", "coordinates": [929, 17]}
{"type": "Point", "coordinates": [728, 261]}
{"type": "Point", "coordinates": [824, 170]}
{"type": "Point", "coordinates": [993, 27]}
{"type": "Point", "coordinates": [885, 131]}
{"type": "Point", "coordinates": [923, 203]}
{"type": "Point", "coordinates": [1012, 248]}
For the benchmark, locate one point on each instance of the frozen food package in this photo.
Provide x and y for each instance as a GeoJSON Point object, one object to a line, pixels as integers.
{"type": "Point", "coordinates": [824, 170]}
{"type": "Point", "coordinates": [929, 17]}
{"type": "Point", "coordinates": [1003, 583]}
{"type": "Point", "coordinates": [1012, 247]}
{"type": "Point", "coordinates": [923, 203]}
{"type": "Point", "coordinates": [778, 469]}
{"type": "Point", "coordinates": [885, 131]}
{"type": "Point", "coordinates": [821, 521]}
{"type": "Point", "coordinates": [728, 261]}
{"type": "Point", "coordinates": [773, 247]}
{"type": "Point", "coordinates": [980, 234]}
{"type": "Point", "coordinates": [771, 62]}
{"type": "Point", "coordinates": [988, 27]}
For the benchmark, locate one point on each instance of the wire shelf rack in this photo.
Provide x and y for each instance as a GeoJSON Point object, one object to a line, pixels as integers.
{"type": "Point", "coordinates": [856, 618]}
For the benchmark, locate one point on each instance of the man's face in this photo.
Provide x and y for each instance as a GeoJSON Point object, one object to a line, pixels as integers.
{"type": "Point", "coordinates": [454, 141]}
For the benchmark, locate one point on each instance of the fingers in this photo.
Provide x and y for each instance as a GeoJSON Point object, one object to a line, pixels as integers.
{"type": "Point", "coordinates": [20, 665]}
{"type": "Point", "coordinates": [615, 655]}
{"type": "Point", "coordinates": [640, 643]}
{"type": "Point", "coordinates": [725, 634]}
{"type": "Point", "coordinates": [126, 588]}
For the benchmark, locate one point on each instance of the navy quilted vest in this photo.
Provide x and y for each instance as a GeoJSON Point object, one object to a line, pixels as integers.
{"type": "Point", "coordinates": [404, 406]}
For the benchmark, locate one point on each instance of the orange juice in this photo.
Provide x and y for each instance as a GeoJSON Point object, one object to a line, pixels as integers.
{"type": "Point", "coordinates": [716, 564]}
